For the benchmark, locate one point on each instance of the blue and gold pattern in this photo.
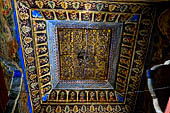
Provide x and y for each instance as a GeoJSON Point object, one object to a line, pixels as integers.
{"type": "Point", "coordinates": [137, 20]}
{"type": "Point", "coordinates": [72, 53]}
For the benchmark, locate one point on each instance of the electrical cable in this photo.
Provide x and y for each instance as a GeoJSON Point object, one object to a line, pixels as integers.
{"type": "Point", "coordinates": [139, 91]}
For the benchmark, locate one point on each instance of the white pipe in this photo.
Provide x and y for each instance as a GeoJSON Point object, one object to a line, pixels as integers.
{"type": "Point", "coordinates": [151, 90]}
{"type": "Point", "coordinates": [156, 105]}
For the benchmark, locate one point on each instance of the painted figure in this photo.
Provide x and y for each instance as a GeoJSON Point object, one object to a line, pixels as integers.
{"type": "Point", "coordinates": [102, 96]}
{"type": "Point", "coordinates": [72, 96]}
{"type": "Point", "coordinates": [62, 96]}
{"type": "Point", "coordinates": [111, 97]}
{"type": "Point", "coordinates": [92, 96]}
{"type": "Point", "coordinates": [82, 96]}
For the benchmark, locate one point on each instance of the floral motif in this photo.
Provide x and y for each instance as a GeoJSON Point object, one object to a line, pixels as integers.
{"type": "Point", "coordinates": [24, 16]}
{"type": "Point", "coordinates": [58, 109]}
{"type": "Point", "coordinates": [26, 29]}
{"type": "Point", "coordinates": [46, 89]}
{"type": "Point", "coordinates": [75, 109]}
{"type": "Point", "coordinates": [76, 5]}
{"type": "Point", "coordinates": [49, 15]}
{"type": "Point", "coordinates": [28, 50]}
{"type": "Point", "coordinates": [32, 77]}
{"type": "Point", "coordinates": [100, 6]}
{"type": "Point", "coordinates": [74, 16]}
{"type": "Point", "coordinates": [86, 16]}
{"type": "Point", "coordinates": [39, 25]}
{"type": "Point", "coordinates": [112, 7]}
{"type": "Point", "coordinates": [27, 40]}
{"type": "Point", "coordinates": [35, 92]}
{"type": "Point", "coordinates": [61, 15]}
{"type": "Point", "coordinates": [51, 4]}
{"type": "Point", "coordinates": [109, 108]}
{"type": "Point", "coordinates": [64, 5]}
{"type": "Point", "coordinates": [98, 17]}
{"type": "Point", "coordinates": [40, 4]}
{"type": "Point", "coordinates": [45, 80]}
{"type": "Point", "coordinates": [87, 6]}
{"type": "Point", "coordinates": [112, 17]}
{"type": "Point", "coordinates": [30, 59]}
{"type": "Point", "coordinates": [123, 8]}
{"type": "Point", "coordinates": [92, 108]}
{"type": "Point", "coordinates": [31, 68]}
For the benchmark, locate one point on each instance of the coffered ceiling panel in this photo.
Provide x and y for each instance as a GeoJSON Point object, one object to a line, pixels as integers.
{"type": "Point", "coordinates": [86, 56]}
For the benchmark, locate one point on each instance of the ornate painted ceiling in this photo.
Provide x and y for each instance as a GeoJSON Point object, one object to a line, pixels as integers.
{"type": "Point", "coordinates": [80, 56]}
{"type": "Point", "coordinates": [84, 56]}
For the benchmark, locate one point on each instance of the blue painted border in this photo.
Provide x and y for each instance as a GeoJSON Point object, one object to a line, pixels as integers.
{"type": "Point", "coordinates": [21, 61]}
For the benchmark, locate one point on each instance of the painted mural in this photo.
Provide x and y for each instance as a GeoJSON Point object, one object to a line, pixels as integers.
{"type": "Point", "coordinates": [8, 48]}
{"type": "Point", "coordinates": [22, 104]}
{"type": "Point", "coordinates": [9, 52]}
{"type": "Point", "coordinates": [6, 35]}
{"type": "Point", "coordinates": [8, 41]}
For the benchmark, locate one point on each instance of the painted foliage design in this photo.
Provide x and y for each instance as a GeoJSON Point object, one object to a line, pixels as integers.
{"type": "Point", "coordinates": [137, 22]}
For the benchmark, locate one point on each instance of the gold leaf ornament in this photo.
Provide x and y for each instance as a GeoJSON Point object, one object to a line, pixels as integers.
{"type": "Point", "coordinates": [64, 5]}
{"type": "Point", "coordinates": [112, 7]}
{"type": "Point", "coordinates": [40, 4]}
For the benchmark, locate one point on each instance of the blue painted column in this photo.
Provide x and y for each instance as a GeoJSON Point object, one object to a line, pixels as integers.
{"type": "Point", "coordinates": [21, 60]}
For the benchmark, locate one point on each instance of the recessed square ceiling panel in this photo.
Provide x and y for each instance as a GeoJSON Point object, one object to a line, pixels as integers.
{"type": "Point", "coordinates": [90, 52]}
{"type": "Point", "coordinates": [85, 53]}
